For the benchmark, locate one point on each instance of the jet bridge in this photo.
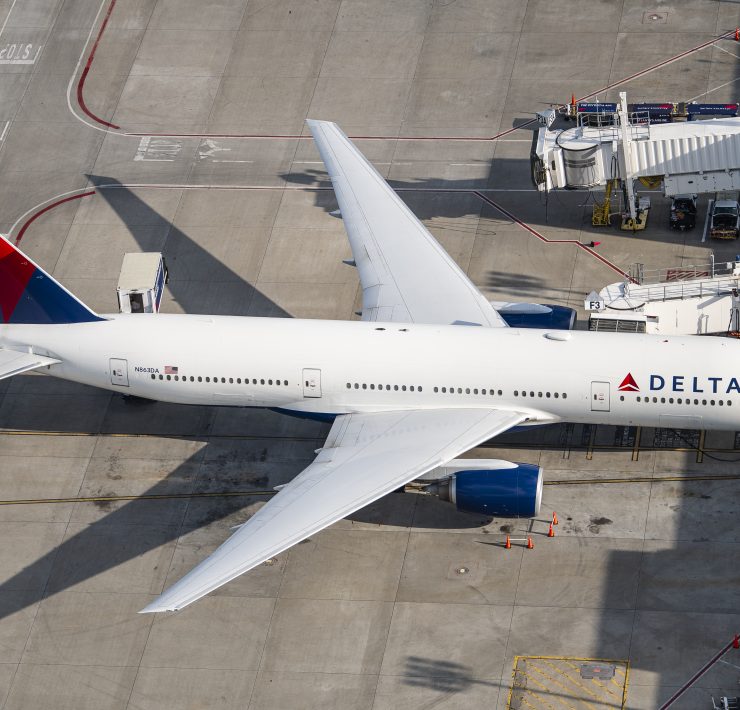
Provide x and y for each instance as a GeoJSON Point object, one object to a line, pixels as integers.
{"type": "Point", "coordinates": [684, 300]}
{"type": "Point", "coordinates": [688, 157]}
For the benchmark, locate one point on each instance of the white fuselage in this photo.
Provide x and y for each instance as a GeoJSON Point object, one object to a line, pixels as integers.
{"type": "Point", "coordinates": [333, 367]}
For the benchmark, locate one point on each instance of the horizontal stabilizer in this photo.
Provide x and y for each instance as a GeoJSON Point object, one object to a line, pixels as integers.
{"type": "Point", "coordinates": [13, 362]}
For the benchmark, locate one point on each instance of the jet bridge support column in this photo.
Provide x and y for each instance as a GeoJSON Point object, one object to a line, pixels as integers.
{"type": "Point", "coordinates": [625, 156]}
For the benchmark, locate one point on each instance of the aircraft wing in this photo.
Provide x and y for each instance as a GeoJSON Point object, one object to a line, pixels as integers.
{"type": "Point", "coordinates": [365, 456]}
{"type": "Point", "coordinates": [406, 276]}
{"type": "Point", "coordinates": [13, 362]}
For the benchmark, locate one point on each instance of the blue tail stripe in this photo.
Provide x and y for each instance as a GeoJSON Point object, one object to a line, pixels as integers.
{"type": "Point", "coordinates": [45, 301]}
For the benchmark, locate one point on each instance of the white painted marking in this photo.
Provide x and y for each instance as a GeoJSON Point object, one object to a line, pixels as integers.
{"type": "Point", "coordinates": [208, 148]}
{"type": "Point", "coordinates": [5, 131]}
{"type": "Point", "coordinates": [19, 53]}
{"type": "Point", "coordinates": [103, 129]}
{"type": "Point", "coordinates": [721, 86]}
{"type": "Point", "coordinates": [726, 51]}
{"type": "Point", "coordinates": [233, 161]}
{"type": "Point", "coordinates": [158, 150]}
{"type": "Point", "coordinates": [7, 17]}
{"type": "Point", "coordinates": [716, 88]}
{"type": "Point", "coordinates": [321, 162]}
{"type": "Point", "coordinates": [706, 221]}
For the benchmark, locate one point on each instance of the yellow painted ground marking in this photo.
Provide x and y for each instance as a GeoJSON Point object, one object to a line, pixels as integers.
{"type": "Point", "coordinates": [577, 669]}
{"type": "Point", "coordinates": [568, 692]}
{"type": "Point", "coordinates": [524, 681]}
{"type": "Point", "coordinates": [539, 697]}
{"type": "Point", "coordinates": [569, 679]}
{"type": "Point", "coordinates": [547, 690]}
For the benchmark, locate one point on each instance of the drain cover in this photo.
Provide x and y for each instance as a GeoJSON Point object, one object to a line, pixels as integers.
{"type": "Point", "coordinates": [601, 671]}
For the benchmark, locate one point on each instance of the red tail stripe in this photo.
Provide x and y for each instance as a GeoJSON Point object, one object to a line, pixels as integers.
{"type": "Point", "coordinates": [15, 273]}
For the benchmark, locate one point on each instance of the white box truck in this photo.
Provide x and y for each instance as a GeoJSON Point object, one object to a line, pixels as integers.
{"type": "Point", "coordinates": [141, 283]}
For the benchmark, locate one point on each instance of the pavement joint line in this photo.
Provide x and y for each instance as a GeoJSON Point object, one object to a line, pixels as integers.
{"type": "Point", "coordinates": [113, 435]}
{"type": "Point", "coordinates": [643, 479]}
{"type": "Point", "coordinates": [266, 492]}
{"type": "Point", "coordinates": [150, 496]}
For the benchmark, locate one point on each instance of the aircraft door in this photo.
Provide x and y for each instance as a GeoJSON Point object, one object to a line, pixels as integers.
{"type": "Point", "coordinates": [311, 382]}
{"type": "Point", "coordinates": [119, 372]}
{"type": "Point", "coordinates": [599, 396]}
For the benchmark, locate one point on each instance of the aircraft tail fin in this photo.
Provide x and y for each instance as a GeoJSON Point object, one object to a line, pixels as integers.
{"type": "Point", "coordinates": [29, 295]}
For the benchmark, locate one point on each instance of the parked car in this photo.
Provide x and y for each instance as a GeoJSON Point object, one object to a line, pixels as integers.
{"type": "Point", "coordinates": [683, 212]}
{"type": "Point", "coordinates": [725, 220]}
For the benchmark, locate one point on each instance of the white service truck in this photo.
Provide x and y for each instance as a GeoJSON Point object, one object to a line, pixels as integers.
{"type": "Point", "coordinates": [141, 282]}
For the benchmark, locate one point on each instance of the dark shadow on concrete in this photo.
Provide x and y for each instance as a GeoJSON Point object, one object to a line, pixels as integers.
{"type": "Point", "coordinates": [194, 296]}
{"type": "Point", "coordinates": [524, 286]}
{"type": "Point", "coordinates": [441, 676]}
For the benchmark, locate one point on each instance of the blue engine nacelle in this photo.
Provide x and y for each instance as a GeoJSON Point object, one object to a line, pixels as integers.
{"type": "Point", "coordinates": [491, 487]}
{"type": "Point", "coordinates": [536, 315]}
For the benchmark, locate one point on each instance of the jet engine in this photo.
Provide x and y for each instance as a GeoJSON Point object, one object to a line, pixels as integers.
{"type": "Point", "coordinates": [536, 315]}
{"type": "Point", "coordinates": [489, 486]}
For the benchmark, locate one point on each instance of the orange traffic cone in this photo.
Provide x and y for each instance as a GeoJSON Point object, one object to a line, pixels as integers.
{"type": "Point", "coordinates": [550, 532]}
{"type": "Point", "coordinates": [554, 518]}
{"type": "Point", "coordinates": [530, 544]}
{"type": "Point", "coordinates": [736, 641]}
{"type": "Point", "coordinates": [572, 99]}
{"type": "Point", "coordinates": [737, 34]}
{"type": "Point", "coordinates": [507, 544]}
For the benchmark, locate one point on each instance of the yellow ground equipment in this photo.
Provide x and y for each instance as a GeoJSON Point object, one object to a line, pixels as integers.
{"type": "Point", "coordinates": [601, 213]}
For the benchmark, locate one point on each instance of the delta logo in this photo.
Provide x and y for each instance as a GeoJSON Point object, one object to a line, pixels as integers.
{"type": "Point", "coordinates": [628, 384]}
{"type": "Point", "coordinates": [684, 383]}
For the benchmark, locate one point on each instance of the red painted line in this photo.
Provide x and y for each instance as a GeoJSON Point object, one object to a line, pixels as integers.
{"type": "Point", "coordinates": [288, 136]}
{"type": "Point", "coordinates": [506, 132]}
{"type": "Point", "coordinates": [86, 71]}
{"type": "Point", "coordinates": [38, 214]}
{"type": "Point", "coordinates": [543, 238]}
{"type": "Point", "coordinates": [659, 64]}
{"type": "Point", "coordinates": [695, 677]}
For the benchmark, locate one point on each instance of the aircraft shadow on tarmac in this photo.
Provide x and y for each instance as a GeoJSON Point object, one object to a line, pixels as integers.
{"type": "Point", "coordinates": [104, 544]}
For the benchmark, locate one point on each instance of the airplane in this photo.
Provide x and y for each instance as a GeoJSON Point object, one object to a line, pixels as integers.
{"type": "Point", "coordinates": [431, 371]}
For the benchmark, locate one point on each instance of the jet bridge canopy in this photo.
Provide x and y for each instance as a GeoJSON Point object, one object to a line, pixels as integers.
{"type": "Point", "coordinates": [690, 157]}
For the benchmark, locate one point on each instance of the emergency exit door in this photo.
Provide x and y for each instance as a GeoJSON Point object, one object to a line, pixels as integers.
{"type": "Point", "coordinates": [119, 372]}
{"type": "Point", "coordinates": [599, 396]}
{"type": "Point", "coordinates": [311, 382]}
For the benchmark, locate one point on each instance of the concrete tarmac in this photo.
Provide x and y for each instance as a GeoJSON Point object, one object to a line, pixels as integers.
{"type": "Point", "coordinates": [178, 126]}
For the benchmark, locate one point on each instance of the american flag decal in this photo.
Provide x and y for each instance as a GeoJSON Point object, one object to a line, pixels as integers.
{"type": "Point", "coordinates": [170, 370]}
